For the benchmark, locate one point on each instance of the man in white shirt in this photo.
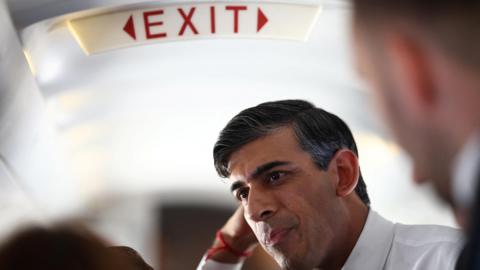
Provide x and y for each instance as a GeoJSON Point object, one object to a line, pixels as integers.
{"type": "Point", "coordinates": [422, 60]}
{"type": "Point", "coordinates": [294, 169]}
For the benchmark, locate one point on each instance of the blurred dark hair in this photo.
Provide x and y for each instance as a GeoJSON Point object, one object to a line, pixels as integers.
{"type": "Point", "coordinates": [131, 257]}
{"type": "Point", "coordinates": [57, 248]}
{"type": "Point", "coordinates": [454, 25]}
{"type": "Point", "coordinates": [318, 132]}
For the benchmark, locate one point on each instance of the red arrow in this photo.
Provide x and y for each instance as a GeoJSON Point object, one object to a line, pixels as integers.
{"type": "Point", "coordinates": [129, 28]}
{"type": "Point", "coordinates": [262, 20]}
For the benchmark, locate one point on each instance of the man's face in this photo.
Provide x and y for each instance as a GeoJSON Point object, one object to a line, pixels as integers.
{"type": "Point", "coordinates": [391, 88]}
{"type": "Point", "coordinates": [290, 204]}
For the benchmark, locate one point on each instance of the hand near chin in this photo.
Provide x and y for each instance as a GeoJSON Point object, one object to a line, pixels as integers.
{"type": "Point", "coordinates": [238, 235]}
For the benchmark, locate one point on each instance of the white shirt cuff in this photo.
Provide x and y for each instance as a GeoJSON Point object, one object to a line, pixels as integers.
{"type": "Point", "coordinates": [213, 265]}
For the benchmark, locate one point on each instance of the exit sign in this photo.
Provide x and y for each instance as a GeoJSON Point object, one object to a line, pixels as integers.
{"type": "Point", "coordinates": [175, 22]}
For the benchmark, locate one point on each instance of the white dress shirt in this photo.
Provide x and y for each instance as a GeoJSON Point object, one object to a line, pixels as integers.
{"type": "Point", "coordinates": [465, 172]}
{"type": "Point", "coordinates": [388, 246]}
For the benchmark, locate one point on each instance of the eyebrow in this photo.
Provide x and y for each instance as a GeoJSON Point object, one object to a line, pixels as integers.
{"type": "Point", "coordinates": [236, 185]}
{"type": "Point", "coordinates": [259, 171]}
{"type": "Point", "coordinates": [266, 167]}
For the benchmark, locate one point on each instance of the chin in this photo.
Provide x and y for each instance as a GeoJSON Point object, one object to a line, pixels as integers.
{"type": "Point", "coordinates": [292, 264]}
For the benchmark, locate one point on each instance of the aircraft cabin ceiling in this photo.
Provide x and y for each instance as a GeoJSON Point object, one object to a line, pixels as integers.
{"type": "Point", "coordinates": [143, 119]}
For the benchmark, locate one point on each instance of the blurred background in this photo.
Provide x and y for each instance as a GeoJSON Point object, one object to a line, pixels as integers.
{"type": "Point", "coordinates": [122, 138]}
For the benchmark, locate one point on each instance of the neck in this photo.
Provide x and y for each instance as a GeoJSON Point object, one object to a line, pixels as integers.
{"type": "Point", "coordinates": [458, 95]}
{"type": "Point", "coordinates": [356, 218]}
{"type": "Point", "coordinates": [454, 117]}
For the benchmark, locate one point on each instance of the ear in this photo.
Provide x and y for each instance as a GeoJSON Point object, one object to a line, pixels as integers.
{"type": "Point", "coordinates": [410, 70]}
{"type": "Point", "coordinates": [345, 164]}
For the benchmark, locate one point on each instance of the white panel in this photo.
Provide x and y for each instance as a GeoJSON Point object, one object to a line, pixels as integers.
{"type": "Point", "coordinates": [16, 208]}
{"type": "Point", "coordinates": [26, 138]}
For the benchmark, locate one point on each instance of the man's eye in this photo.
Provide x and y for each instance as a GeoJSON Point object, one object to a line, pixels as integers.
{"type": "Point", "coordinates": [242, 195]}
{"type": "Point", "coordinates": [274, 177]}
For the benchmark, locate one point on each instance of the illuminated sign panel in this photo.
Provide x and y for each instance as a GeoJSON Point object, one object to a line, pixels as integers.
{"type": "Point", "coordinates": [193, 21]}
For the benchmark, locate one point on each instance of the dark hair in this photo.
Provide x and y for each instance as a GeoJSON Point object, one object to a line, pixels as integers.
{"type": "Point", "coordinates": [59, 248]}
{"type": "Point", "coordinates": [318, 132]}
{"type": "Point", "coordinates": [131, 257]}
{"type": "Point", "coordinates": [454, 25]}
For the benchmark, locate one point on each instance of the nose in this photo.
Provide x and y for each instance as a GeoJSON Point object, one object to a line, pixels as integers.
{"type": "Point", "coordinates": [261, 205]}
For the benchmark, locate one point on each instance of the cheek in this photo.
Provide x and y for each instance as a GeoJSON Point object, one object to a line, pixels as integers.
{"type": "Point", "coordinates": [393, 116]}
{"type": "Point", "coordinates": [373, 77]}
{"type": "Point", "coordinates": [254, 226]}
{"type": "Point", "coordinates": [385, 101]}
{"type": "Point", "coordinates": [309, 208]}
{"type": "Point", "coordinates": [375, 86]}
{"type": "Point", "coordinates": [321, 204]}
{"type": "Point", "coordinates": [381, 104]}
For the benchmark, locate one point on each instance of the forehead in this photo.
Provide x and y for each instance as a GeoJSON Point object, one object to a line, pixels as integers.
{"type": "Point", "coordinates": [359, 48]}
{"type": "Point", "coordinates": [282, 145]}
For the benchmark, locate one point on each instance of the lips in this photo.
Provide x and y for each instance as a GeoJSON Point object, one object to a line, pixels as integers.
{"type": "Point", "coordinates": [276, 236]}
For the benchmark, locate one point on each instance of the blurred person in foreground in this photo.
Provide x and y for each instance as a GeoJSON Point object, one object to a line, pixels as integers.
{"type": "Point", "coordinates": [132, 259]}
{"type": "Point", "coordinates": [294, 169]}
{"type": "Point", "coordinates": [60, 248]}
{"type": "Point", "coordinates": [422, 60]}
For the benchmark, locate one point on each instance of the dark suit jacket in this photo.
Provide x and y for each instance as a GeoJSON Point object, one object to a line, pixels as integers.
{"type": "Point", "coordinates": [470, 256]}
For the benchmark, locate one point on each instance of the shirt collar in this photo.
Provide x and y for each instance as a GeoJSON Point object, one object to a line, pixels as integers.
{"type": "Point", "coordinates": [465, 170]}
{"type": "Point", "coordinates": [373, 245]}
